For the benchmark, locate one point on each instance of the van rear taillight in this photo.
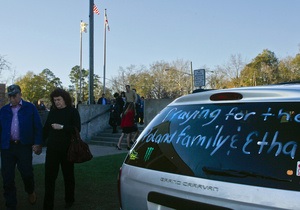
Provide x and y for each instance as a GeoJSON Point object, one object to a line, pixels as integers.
{"type": "Point", "coordinates": [226, 96]}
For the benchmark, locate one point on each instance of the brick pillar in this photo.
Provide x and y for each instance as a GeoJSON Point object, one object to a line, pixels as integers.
{"type": "Point", "coordinates": [2, 95]}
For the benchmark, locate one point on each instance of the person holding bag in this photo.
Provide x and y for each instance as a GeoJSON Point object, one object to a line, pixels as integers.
{"type": "Point", "coordinates": [57, 132]}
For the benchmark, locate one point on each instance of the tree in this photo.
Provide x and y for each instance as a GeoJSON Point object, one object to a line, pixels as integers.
{"type": "Point", "coordinates": [4, 65]}
{"type": "Point", "coordinates": [218, 79]}
{"type": "Point", "coordinates": [32, 86]}
{"type": "Point", "coordinates": [144, 85]}
{"type": "Point", "coordinates": [164, 80]}
{"type": "Point", "coordinates": [161, 80]}
{"type": "Point", "coordinates": [295, 68]}
{"type": "Point", "coordinates": [35, 87]}
{"type": "Point", "coordinates": [180, 74]}
{"type": "Point", "coordinates": [286, 72]}
{"type": "Point", "coordinates": [227, 75]}
{"type": "Point", "coordinates": [49, 76]}
{"type": "Point", "coordinates": [75, 80]}
{"type": "Point", "coordinates": [131, 75]}
{"type": "Point", "coordinates": [233, 69]}
{"type": "Point", "coordinates": [98, 89]}
{"type": "Point", "coordinates": [52, 81]}
{"type": "Point", "coordinates": [262, 70]}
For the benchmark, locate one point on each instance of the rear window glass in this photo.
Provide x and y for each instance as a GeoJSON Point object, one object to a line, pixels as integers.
{"type": "Point", "coordinates": [251, 143]}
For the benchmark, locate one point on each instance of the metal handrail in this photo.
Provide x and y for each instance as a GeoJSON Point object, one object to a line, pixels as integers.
{"type": "Point", "coordinates": [95, 117]}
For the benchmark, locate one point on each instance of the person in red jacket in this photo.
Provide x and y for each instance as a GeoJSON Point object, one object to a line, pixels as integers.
{"type": "Point", "coordinates": [127, 125]}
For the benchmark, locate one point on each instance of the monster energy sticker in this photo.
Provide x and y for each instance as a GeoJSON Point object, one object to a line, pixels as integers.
{"type": "Point", "coordinates": [148, 153]}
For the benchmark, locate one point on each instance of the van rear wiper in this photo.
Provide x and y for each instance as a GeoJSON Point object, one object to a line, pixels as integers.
{"type": "Point", "coordinates": [241, 174]}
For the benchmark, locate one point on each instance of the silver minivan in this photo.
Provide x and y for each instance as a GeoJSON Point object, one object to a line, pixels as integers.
{"type": "Point", "coordinates": [219, 149]}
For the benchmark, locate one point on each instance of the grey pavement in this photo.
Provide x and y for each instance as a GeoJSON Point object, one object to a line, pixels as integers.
{"type": "Point", "coordinates": [96, 151]}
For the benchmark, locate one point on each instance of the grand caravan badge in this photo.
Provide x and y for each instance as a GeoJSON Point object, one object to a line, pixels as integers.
{"type": "Point", "coordinates": [189, 184]}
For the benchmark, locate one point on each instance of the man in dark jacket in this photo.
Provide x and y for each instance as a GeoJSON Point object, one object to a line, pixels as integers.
{"type": "Point", "coordinates": [115, 112]}
{"type": "Point", "coordinates": [103, 100]}
{"type": "Point", "coordinates": [20, 134]}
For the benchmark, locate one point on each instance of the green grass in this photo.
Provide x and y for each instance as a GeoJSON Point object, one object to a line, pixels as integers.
{"type": "Point", "coordinates": [95, 189]}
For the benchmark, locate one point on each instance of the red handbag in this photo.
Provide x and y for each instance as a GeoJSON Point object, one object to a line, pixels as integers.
{"type": "Point", "coordinates": [79, 151]}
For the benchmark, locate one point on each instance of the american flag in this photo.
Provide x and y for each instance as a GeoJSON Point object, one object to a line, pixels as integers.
{"type": "Point", "coordinates": [95, 9]}
{"type": "Point", "coordinates": [106, 22]}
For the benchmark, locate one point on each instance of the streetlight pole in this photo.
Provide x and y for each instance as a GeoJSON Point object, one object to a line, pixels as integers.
{"type": "Point", "coordinates": [192, 78]}
{"type": "Point", "coordinates": [80, 68]}
{"type": "Point", "coordinates": [104, 53]}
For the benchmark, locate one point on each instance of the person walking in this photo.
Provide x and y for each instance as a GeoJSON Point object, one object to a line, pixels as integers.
{"type": "Point", "coordinates": [140, 111]}
{"type": "Point", "coordinates": [130, 95]}
{"type": "Point", "coordinates": [62, 119]}
{"type": "Point", "coordinates": [137, 104]}
{"type": "Point", "coordinates": [127, 125]}
{"type": "Point", "coordinates": [21, 134]}
{"type": "Point", "coordinates": [119, 105]}
{"type": "Point", "coordinates": [115, 111]}
{"type": "Point", "coordinates": [41, 106]}
{"type": "Point", "coordinates": [123, 98]}
{"type": "Point", "coordinates": [102, 100]}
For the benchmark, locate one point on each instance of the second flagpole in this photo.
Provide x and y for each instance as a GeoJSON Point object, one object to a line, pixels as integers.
{"type": "Point", "coordinates": [104, 53]}
{"type": "Point", "coordinates": [80, 68]}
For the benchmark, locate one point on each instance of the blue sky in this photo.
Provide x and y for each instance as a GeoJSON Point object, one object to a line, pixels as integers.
{"type": "Point", "coordinates": [35, 35]}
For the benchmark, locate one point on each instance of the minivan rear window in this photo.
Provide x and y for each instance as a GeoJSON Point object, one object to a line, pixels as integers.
{"type": "Point", "coordinates": [247, 143]}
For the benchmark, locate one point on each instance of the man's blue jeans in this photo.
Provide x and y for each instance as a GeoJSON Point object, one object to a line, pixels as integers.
{"type": "Point", "coordinates": [21, 156]}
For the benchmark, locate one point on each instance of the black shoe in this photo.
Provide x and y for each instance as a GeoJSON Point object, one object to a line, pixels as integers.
{"type": "Point", "coordinates": [128, 148]}
{"type": "Point", "coordinates": [119, 148]}
{"type": "Point", "coordinates": [11, 208]}
{"type": "Point", "coordinates": [32, 198]}
{"type": "Point", "coordinates": [68, 205]}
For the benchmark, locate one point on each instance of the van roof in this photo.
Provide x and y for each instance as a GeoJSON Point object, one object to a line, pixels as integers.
{"type": "Point", "coordinates": [268, 93]}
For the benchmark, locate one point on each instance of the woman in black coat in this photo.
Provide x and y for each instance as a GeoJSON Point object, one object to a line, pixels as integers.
{"type": "Point", "coordinates": [59, 126]}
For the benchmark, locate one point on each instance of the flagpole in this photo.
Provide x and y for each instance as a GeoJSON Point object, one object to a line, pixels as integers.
{"type": "Point", "coordinates": [91, 70]}
{"type": "Point", "coordinates": [80, 79]}
{"type": "Point", "coordinates": [104, 62]}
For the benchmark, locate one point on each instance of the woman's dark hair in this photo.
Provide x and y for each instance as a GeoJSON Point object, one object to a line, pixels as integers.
{"type": "Point", "coordinates": [130, 106]}
{"type": "Point", "coordinates": [64, 94]}
{"type": "Point", "coordinates": [116, 95]}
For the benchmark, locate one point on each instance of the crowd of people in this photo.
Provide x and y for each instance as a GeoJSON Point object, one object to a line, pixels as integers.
{"type": "Point", "coordinates": [127, 110]}
{"type": "Point", "coordinates": [119, 104]}
{"type": "Point", "coordinates": [23, 133]}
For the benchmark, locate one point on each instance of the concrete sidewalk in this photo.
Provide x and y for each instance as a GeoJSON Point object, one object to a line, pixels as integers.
{"type": "Point", "coordinates": [96, 150]}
